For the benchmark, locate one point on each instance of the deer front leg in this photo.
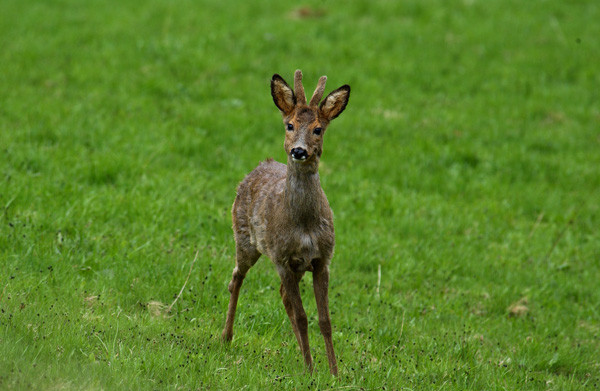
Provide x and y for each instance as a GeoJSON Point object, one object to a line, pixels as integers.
{"type": "Point", "coordinates": [290, 312]}
{"type": "Point", "coordinates": [321, 287]}
{"type": "Point", "coordinates": [297, 315]}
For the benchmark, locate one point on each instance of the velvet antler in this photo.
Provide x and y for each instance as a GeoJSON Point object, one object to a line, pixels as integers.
{"type": "Point", "coordinates": [318, 94]}
{"type": "Point", "coordinates": [298, 88]}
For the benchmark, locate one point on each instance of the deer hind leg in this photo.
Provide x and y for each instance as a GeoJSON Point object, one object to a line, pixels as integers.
{"type": "Point", "coordinates": [245, 259]}
{"type": "Point", "coordinates": [293, 306]}
{"type": "Point", "coordinates": [321, 288]}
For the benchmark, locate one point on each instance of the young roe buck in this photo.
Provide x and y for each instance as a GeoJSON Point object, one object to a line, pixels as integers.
{"type": "Point", "coordinates": [282, 212]}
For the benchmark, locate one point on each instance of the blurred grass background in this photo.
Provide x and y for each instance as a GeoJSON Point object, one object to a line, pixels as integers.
{"type": "Point", "coordinates": [465, 170]}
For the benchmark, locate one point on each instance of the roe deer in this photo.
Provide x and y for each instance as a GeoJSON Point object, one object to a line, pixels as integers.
{"type": "Point", "coordinates": [282, 212]}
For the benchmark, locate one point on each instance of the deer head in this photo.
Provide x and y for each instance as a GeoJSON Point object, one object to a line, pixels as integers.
{"type": "Point", "coordinates": [305, 124]}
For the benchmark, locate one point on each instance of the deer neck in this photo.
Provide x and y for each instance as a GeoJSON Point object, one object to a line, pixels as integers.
{"type": "Point", "coordinates": [303, 193]}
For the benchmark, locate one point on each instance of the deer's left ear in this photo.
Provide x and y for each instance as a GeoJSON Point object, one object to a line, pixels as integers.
{"type": "Point", "coordinates": [282, 94]}
{"type": "Point", "coordinates": [335, 103]}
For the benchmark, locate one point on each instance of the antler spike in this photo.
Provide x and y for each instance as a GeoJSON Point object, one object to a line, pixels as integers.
{"type": "Point", "coordinates": [298, 88]}
{"type": "Point", "coordinates": [318, 94]}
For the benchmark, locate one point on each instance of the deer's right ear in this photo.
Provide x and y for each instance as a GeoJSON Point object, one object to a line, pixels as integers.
{"type": "Point", "coordinates": [283, 95]}
{"type": "Point", "coordinates": [335, 102]}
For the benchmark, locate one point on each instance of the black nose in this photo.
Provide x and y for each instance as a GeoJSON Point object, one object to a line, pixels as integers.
{"type": "Point", "coordinates": [299, 153]}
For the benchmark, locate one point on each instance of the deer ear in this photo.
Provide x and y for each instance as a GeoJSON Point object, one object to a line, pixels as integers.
{"type": "Point", "coordinates": [335, 102]}
{"type": "Point", "coordinates": [283, 95]}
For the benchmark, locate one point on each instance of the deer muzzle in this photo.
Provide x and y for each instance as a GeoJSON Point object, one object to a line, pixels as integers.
{"type": "Point", "coordinates": [299, 153]}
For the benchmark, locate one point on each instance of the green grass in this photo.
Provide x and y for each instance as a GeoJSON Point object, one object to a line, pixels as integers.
{"type": "Point", "coordinates": [465, 167]}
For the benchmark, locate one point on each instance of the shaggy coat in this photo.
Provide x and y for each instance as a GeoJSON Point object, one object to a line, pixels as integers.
{"type": "Point", "coordinates": [281, 211]}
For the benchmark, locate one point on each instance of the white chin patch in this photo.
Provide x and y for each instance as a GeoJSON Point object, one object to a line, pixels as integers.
{"type": "Point", "coordinates": [303, 158]}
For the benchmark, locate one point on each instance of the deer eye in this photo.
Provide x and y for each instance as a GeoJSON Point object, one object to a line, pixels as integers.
{"type": "Point", "coordinates": [290, 127]}
{"type": "Point", "coordinates": [317, 131]}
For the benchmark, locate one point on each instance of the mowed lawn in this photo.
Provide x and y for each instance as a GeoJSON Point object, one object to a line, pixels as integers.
{"type": "Point", "coordinates": [464, 177]}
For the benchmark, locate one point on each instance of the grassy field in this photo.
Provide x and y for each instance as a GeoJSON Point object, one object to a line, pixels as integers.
{"type": "Point", "coordinates": [464, 177]}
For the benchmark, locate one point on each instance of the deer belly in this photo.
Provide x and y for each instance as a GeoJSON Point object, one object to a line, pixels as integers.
{"type": "Point", "coordinates": [305, 251]}
{"type": "Point", "coordinates": [301, 264]}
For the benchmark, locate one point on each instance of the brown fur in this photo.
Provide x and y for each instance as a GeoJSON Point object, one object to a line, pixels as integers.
{"type": "Point", "coordinates": [282, 212]}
